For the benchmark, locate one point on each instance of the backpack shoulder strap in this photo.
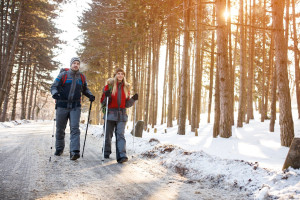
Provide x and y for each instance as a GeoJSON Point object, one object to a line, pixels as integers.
{"type": "Point", "coordinates": [82, 78]}
{"type": "Point", "coordinates": [64, 78]}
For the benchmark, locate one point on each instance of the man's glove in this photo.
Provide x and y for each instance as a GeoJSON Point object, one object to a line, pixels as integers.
{"type": "Point", "coordinates": [135, 97]}
{"type": "Point", "coordinates": [56, 96]}
{"type": "Point", "coordinates": [107, 93]}
{"type": "Point", "coordinates": [92, 98]}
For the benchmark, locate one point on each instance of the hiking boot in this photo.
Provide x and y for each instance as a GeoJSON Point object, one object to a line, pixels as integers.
{"type": "Point", "coordinates": [74, 155]}
{"type": "Point", "coordinates": [58, 152]}
{"type": "Point", "coordinates": [122, 160]}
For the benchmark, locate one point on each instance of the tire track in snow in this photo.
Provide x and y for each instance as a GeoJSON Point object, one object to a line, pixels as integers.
{"type": "Point", "coordinates": [26, 172]}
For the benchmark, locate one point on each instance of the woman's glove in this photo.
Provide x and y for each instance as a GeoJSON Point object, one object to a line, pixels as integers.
{"type": "Point", "coordinates": [107, 93]}
{"type": "Point", "coordinates": [135, 97]}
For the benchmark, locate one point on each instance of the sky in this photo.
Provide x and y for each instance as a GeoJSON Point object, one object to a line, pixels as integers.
{"type": "Point", "coordinates": [67, 21]}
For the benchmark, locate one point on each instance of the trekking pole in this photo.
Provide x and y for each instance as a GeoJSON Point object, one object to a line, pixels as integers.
{"type": "Point", "coordinates": [105, 128]}
{"type": "Point", "coordinates": [52, 139]}
{"type": "Point", "coordinates": [134, 126]}
{"type": "Point", "coordinates": [87, 126]}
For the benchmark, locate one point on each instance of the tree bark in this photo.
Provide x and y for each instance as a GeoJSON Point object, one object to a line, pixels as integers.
{"type": "Point", "coordinates": [211, 71]}
{"type": "Point", "coordinates": [285, 118]}
{"type": "Point", "coordinates": [222, 59]}
{"type": "Point", "coordinates": [197, 84]}
{"type": "Point", "coordinates": [29, 116]}
{"type": "Point", "coordinates": [185, 67]}
{"type": "Point", "coordinates": [34, 103]}
{"type": "Point", "coordinates": [217, 105]}
{"type": "Point", "coordinates": [296, 56]}
{"type": "Point", "coordinates": [6, 100]}
{"type": "Point", "coordinates": [263, 109]}
{"type": "Point", "coordinates": [230, 64]}
{"type": "Point", "coordinates": [164, 99]}
{"type": "Point", "coordinates": [13, 114]}
{"type": "Point", "coordinates": [24, 88]}
{"type": "Point", "coordinates": [172, 38]}
{"type": "Point", "coordinates": [146, 117]}
{"type": "Point", "coordinates": [7, 64]}
{"type": "Point", "coordinates": [242, 91]}
{"type": "Point", "coordinates": [273, 87]}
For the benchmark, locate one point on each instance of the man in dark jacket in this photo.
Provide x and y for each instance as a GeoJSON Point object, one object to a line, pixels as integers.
{"type": "Point", "coordinates": [66, 90]}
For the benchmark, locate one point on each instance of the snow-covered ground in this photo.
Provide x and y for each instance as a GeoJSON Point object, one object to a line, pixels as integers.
{"type": "Point", "coordinates": [250, 160]}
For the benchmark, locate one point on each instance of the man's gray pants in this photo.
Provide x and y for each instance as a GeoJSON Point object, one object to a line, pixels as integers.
{"type": "Point", "coordinates": [119, 128]}
{"type": "Point", "coordinates": [62, 116]}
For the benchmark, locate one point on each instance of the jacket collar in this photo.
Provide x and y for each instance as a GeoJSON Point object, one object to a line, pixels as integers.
{"type": "Point", "coordinates": [73, 72]}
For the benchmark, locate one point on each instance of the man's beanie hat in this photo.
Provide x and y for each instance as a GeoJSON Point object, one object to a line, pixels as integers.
{"type": "Point", "coordinates": [119, 70]}
{"type": "Point", "coordinates": [74, 59]}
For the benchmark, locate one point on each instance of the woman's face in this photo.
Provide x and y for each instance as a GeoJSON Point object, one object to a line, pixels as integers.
{"type": "Point", "coordinates": [120, 76]}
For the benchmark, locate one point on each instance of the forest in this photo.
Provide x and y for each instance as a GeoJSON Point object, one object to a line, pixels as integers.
{"type": "Point", "coordinates": [27, 39]}
{"type": "Point", "coordinates": [183, 58]}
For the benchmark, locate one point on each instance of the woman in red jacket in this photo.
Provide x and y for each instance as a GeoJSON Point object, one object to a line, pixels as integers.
{"type": "Point", "coordinates": [118, 92]}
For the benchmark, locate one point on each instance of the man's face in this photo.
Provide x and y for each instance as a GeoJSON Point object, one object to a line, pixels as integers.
{"type": "Point", "coordinates": [75, 65]}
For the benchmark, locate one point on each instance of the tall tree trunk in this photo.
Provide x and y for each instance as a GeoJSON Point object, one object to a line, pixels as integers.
{"type": "Point", "coordinates": [212, 64]}
{"type": "Point", "coordinates": [31, 93]}
{"type": "Point", "coordinates": [13, 114]}
{"type": "Point", "coordinates": [156, 86]}
{"type": "Point", "coordinates": [138, 80]}
{"type": "Point", "coordinates": [27, 86]}
{"type": "Point", "coordinates": [34, 103]}
{"type": "Point", "coordinates": [273, 87]}
{"type": "Point", "coordinates": [199, 104]}
{"type": "Point", "coordinates": [172, 38]}
{"type": "Point", "coordinates": [296, 56]}
{"type": "Point", "coordinates": [1, 33]}
{"type": "Point", "coordinates": [225, 125]}
{"type": "Point", "coordinates": [152, 97]}
{"type": "Point", "coordinates": [156, 72]}
{"type": "Point", "coordinates": [164, 99]}
{"type": "Point", "coordinates": [285, 118]}
{"type": "Point", "coordinates": [185, 67]}
{"type": "Point", "coordinates": [242, 92]}
{"type": "Point", "coordinates": [189, 82]}
{"type": "Point", "coordinates": [142, 81]}
{"type": "Point", "coordinates": [230, 64]}
{"type": "Point", "coordinates": [6, 100]}
{"type": "Point", "coordinates": [263, 109]}
{"type": "Point", "coordinates": [147, 99]}
{"type": "Point", "coordinates": [134, 81]}
{"type": "Point", "coordinates": [24, 88]}
{"type": "Point", "coordinates": [216, 128]}
{"type": "Point", "coordinates": [10, 56]}
{"type": "Point", "coordinates": [197, 84]}
{"type": "Point", "coordinates": [179, 70]}
{"type": "Point", "coordinates": [4, 29]}
{"type": "Point", "coordinates": [110, 67]}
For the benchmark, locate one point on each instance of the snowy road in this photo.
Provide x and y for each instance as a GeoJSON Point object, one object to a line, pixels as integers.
{"type": "Point", "coordinates": [26, 173]}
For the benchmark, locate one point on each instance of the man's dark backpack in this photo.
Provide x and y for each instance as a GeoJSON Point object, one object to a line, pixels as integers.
{"type": "Point", "coordinates": [65, 76]}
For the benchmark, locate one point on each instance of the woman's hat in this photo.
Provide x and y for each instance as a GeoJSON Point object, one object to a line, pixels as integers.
{"type": "Point", "coordinates": [119, 70]}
